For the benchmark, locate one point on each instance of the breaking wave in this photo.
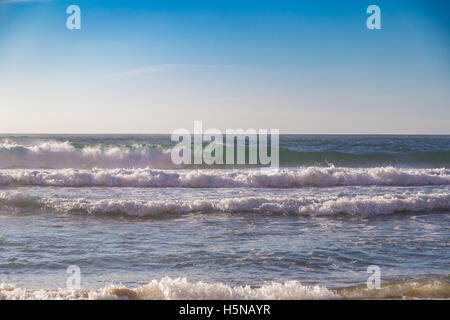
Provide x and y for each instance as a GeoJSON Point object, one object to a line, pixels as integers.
{"type": "Point", "coordinates": [39, 154]}
{"type": "Point", "coordinates": [317, 205]}
{"type": "Point", "coordinates": [254, 178]}
{"type": "Point", "coordinates": [181, 289]}
{"type": "Point", "coordinates": [59, 155]}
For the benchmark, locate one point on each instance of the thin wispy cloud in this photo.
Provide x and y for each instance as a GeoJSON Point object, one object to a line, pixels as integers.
{"type": "Point", "coordinates": [153, 69]}
{"type": "Point", "coordinates": [162, 68]}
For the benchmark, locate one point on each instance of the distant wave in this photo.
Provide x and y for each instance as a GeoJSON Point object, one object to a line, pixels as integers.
{"type": "Point", "coordinates": [181, 289]}
{"type": "Point", "coordinates": [203, 178]}
{"type": "Point", "coordinates": [63, 155]}
{"type": "Point", "coordinates": [317, 205]}
{"type": "Point", "coordinates": [59, 155]}
{"type": "Point", "coordinates": [422, 159]}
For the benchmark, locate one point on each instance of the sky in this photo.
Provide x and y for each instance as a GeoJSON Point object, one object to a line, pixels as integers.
{"type": "Point", "coordinates": [306, 67]}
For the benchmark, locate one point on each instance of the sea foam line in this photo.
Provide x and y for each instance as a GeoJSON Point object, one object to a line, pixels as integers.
{"type": "Point", "coordinates": [317, 205]}
{"type": "Point", "coordinates": [207, 178]}
{"type": "Point", "coordinates": [174, 289]}
{"type": "Point", "coordinates": [181, 289]}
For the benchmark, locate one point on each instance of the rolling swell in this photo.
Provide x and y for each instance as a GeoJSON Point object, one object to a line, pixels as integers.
{"type": "Point", "coordinates": [316, 205]}
{"type": "Point", "coordinates": [67, 154]}
{"type": "Point", "coordinates": [424, 159]}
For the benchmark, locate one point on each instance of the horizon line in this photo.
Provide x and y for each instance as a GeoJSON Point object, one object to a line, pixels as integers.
{"type": "Point", "coordinates": [281, 134]}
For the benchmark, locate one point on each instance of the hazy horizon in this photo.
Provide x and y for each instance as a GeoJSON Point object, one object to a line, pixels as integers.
{"type": "Point", "coordinates": [169, 133]}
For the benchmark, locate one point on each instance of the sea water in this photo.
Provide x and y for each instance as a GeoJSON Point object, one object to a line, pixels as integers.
{"type": "Point", "coordinates": [137, 226]}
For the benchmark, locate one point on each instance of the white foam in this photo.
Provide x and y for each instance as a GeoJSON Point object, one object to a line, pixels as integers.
{"type": "Point", "coordinates": [58, 155]}
{"type": "Point", "coordinates": [181, 289]}
{"type": "Point", "coordinates": [315, 205]}
{"type": "Point", "coordinates": [207, 178]}
{"type": "Point", "coordinates": [175, 289]}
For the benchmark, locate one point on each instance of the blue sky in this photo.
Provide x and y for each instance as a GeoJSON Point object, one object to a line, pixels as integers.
{"type": "Point", "coordinates": [155, 66]}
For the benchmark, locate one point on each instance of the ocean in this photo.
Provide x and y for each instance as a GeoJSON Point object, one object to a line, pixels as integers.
{"type": "Point", "coordinates": [138, 227]}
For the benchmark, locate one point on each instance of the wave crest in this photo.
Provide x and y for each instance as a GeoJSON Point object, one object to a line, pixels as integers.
{"type": "Point", "coordinates": [174, 289]}
{"type": "Point", "coordinates": [37, 153]}
{"type": "Point", "coordinates": [319, 205]}
{"type": "Point", "coordinates": [59, 155]}
{"type": "Point", "coordinates": [254, 178]}
{"type": "Point", "coordinates": [181, 289]}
